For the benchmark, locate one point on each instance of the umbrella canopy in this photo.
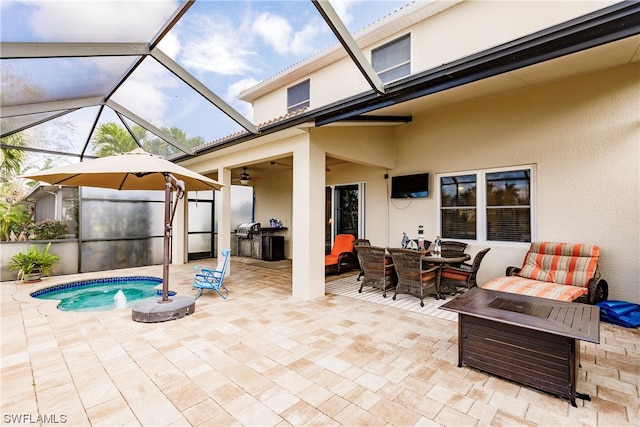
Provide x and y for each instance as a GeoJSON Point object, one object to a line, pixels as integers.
{"type": "Point", "coordinates": [136, 170]}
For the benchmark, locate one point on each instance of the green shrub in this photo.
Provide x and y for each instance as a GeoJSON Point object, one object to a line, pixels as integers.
{"type": "Point", "coordinates": [33, 261]}
{"type": "Point", "coordinates": [47, 230]}
{"type": "Point", "coordinates": [13, 219]}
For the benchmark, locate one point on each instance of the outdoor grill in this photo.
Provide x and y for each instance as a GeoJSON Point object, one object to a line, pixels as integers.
{"type": "Point", "coordinates": [254, 241]}
{"type": "Point", "coordinates": [247, 230]}
{"type": "Point", "coordinates": [248, 243]}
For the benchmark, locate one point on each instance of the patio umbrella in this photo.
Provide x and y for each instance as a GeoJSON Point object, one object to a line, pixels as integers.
{"type": "Point", "coordinates": [136, 170]}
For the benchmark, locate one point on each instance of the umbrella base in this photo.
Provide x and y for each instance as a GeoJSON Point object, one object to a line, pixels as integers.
{"type": "Point", "coordinates": [153, 312]}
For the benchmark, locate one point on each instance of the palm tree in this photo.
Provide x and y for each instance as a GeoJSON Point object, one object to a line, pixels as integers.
{"type": "Point", "coordinates": [12, 188]}
{"type": "Point", "coordinates": [162, 148]}
{"type": "Point", "coordinates": [110, 138]}
{"type": "Point", "coordinates": [12, 159]}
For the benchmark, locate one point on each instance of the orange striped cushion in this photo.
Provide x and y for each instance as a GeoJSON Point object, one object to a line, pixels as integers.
{"type": "Point", "coordinates": [562, 263]}
{"type": "Point", "coordinates": [534, 288]}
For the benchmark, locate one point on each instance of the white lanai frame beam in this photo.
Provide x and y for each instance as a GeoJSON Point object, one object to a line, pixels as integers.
{"type": "Point", "coordinates": [196, 85]}
{"type": "Point", "coordinates": [148, 126]}
{"type": "Point", "coordinates": [51, 106]}
{"type": "Point", "coordinates": [24, 50]}
{"type": "Point", "coordinates": [353, 50]}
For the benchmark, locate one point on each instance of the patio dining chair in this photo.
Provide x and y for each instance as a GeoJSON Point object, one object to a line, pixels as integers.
{"type": "Point", "coordinates": [413, 278]}
{"type": "Point", "coordinates": [378, 269]}
{"type": "Point", "coordinates": [213, 279]}
{"type": "Point", "coordinates": [452, 248]}
{"type": "Point", "coordinates": [462, 277]}
{"type": "Point", "coordinates": [356, 243]}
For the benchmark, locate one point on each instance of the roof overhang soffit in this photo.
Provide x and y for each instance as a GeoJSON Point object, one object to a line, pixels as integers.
{"type": "Point", "coordinates": [610, 24]}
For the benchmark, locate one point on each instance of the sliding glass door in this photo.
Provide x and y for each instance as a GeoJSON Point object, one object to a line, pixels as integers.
{"type": "Point", "coordinates": [344, 213]}
{"type": "Point", "coordinates": [201, 234]}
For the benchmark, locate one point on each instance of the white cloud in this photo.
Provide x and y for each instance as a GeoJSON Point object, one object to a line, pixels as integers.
{"type": "Point", "coordinates": [276, 31]}
{"type": "Point", "coordinates": [144, 100]}
{"type": "Point", "coordinates": [216, 46]}
{"type": "Point", "coordinates": [144, 92]}
{"type": "Point", "coordinates": [343, 9]}
{"type": "Point", "coordinates": [114, 21]}
{"type": "Point", "coordinates": [244, 108]}
{"type": "Point", "coordinates": [234, 89]}
{"type": "Point", "coordinates": [170, 45]}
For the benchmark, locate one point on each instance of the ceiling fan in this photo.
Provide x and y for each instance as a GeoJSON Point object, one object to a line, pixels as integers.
{"type": "Point", "coordinates": [244, 178]}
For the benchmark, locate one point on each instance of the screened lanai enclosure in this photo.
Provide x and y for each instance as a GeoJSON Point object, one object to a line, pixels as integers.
{"type": "Point", "coordinates": [82, 80]}
{"type": "Point", "coordinates": [110, 76]}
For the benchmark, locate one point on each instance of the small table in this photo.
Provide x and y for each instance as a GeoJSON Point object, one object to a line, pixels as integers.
{"type": "Point", "coordinates": [534, 341]}
{"type": "Point", "coordinates": [440, 261]}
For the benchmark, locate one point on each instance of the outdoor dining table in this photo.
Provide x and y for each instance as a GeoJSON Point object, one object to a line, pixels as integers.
{"type": "Point", "coordinates": [440, 260]}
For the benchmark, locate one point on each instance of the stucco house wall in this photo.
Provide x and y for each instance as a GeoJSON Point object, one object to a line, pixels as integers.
{"type": "Point", "coordinates": [441, 32]}
{"type": "Point", "coordinates": [580, 134]}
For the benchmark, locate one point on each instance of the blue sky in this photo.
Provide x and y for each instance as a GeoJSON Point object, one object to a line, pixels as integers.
{"type": "Point", "coordinates": [228, 45]}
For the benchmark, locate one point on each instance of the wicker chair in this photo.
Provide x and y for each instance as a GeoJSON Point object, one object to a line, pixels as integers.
{"type": "Point", "coordinates": [356, 243]}
{"type": "Point", "coordinates": [452, 278]}
{"type": "Point", "coordinates": [379, 271]}
{"type": "Point", "coordinates": [413, 279]}
{"type": "Point", "coordinates": [452, 248]}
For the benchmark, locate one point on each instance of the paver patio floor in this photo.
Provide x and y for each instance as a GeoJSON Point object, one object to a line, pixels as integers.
{"type": "Point", "coordinates": [264, 358]}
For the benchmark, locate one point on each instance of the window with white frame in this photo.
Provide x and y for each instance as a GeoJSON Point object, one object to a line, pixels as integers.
{"type": "Point", "coordinates": [487, 205]}
{"type": "Point", "coordinates": [392, 61]}
{"type": "Point", "coordinates": [298, 96]}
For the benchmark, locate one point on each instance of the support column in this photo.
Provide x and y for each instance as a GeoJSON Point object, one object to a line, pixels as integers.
{"type": "Point", "coordinates": [309, 162]}
{"type": "Point", "coordinates": [180, 232]}
{"type": "Point", "coordinates": [223, 212]}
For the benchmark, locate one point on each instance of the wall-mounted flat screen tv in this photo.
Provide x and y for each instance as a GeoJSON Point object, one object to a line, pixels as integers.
{"type": "Point", "coordinates": [410, 186]}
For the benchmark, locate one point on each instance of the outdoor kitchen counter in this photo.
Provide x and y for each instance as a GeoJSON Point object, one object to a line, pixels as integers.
{"type": "Point", "coordinates": [267, 230]}
{"type": "Point", "coordinates": [251, 239]}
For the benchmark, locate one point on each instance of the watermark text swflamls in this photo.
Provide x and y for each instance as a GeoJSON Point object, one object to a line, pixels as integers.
{"type": "Point", "coordinates": [27, 418]}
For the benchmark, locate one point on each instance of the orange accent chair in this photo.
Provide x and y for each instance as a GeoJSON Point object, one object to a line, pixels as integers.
{"type": "Point", "coordinates": [342, 255]}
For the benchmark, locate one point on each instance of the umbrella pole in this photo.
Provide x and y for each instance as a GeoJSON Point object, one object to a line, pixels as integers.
{"type": "Point", "coordinates": [167, 236]}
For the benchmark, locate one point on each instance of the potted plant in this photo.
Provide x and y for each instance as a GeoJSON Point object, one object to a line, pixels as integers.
{"type": "Point", "coordinates": [33, 263]}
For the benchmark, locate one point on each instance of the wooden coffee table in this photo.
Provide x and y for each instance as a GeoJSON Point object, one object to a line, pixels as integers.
{"type": "Point", "coordinates": [530, 340]}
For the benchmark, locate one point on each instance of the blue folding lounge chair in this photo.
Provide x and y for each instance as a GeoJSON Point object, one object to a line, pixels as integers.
{"type": "Point", "coordinates": [211, 279]}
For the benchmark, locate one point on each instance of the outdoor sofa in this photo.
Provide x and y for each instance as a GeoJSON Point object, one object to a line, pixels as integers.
{"type": "Point", "coordinates": [560, 271]}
